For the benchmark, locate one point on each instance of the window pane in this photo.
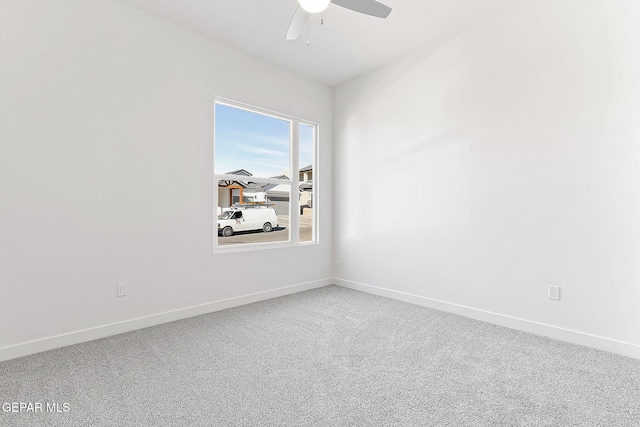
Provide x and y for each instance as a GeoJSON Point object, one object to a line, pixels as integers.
{"type": "Point", "coordinates": [252, 212]}
{"type": "Point", "coordinates": [252, 142]}
{"type": "Point", "coordinates": [307, 206]}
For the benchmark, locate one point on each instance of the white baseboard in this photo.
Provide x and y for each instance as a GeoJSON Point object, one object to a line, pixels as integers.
{"type": "Point", "coordinates": [57, 341]}
{"type": "Point", "coordinates": [571, 336]}
{"type": "Point", "coordinates": [562, 334]}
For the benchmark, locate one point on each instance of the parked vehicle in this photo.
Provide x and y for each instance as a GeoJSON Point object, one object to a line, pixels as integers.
{"type": "Point", "coordinates": [247, 218]}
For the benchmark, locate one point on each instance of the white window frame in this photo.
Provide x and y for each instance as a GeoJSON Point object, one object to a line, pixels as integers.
{"type": "Point", "coordinates": [293, 182]}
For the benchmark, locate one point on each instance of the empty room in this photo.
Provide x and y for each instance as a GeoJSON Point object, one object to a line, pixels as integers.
{"type": "Point", "coordinates": [319, 213]}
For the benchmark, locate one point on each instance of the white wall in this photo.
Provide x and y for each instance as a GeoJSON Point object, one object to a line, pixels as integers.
{"type": "Point", "coordinates": [106, 121]}
{"type": "Point", "coordinates": [479, 170]}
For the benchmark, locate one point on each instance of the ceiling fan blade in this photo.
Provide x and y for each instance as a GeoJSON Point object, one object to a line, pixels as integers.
{"type": "Point", "coordinates": [368, 7]}
{"type": "Point", "coordinates": [299, 20]}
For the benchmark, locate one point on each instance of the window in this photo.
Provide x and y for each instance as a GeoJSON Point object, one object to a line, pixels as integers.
{"type": "Point", "coordinates": [265, 177]}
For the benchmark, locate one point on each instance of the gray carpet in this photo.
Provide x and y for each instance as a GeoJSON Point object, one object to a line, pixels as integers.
{"type": "Point", "coordinates": [326, 357]}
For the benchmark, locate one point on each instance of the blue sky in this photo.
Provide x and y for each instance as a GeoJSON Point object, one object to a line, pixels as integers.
{"type": "Point", "coordinates": [256, 142]}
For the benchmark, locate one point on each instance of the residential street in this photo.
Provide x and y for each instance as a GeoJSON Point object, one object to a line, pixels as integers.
{"type": "Point", "coordinates": [280, 233]}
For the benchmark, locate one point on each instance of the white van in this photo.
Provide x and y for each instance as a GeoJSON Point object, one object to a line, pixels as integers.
{"type": "Point", "coordinates": [247, 219]}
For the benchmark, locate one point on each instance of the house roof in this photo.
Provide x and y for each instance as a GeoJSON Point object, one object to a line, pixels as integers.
{"type": "Point", "coordinates": [256, 186]}
{"type": "Point", "coordinates": [277, 189]}
{"type": "Point", "coordinates": [227, 183]}
{"type": "Point", "coordinates": [243, 172]}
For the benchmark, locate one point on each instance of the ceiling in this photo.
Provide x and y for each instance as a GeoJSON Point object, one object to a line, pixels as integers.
{"type": "Point", "coordinates": [347, 45]}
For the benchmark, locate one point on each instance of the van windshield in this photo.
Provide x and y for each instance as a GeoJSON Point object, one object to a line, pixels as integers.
{"type": "Point", "coordinates": [226, 215]}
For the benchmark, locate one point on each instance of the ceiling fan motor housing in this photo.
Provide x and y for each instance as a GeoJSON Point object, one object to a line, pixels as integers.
{"type": "Point", "coordinates": [314, 6]}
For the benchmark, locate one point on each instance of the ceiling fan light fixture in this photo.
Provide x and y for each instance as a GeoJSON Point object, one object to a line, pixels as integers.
{"type": "Point", "coordinates": [314, 6]}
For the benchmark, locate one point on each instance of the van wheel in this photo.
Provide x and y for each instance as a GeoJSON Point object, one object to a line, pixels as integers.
{"type": "Point", "coordinates": [267, 227]}
{"type": "Point", "coordinates": [227, 232]}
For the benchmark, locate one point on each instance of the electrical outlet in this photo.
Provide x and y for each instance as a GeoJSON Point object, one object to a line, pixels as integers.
{"type": "Point", "coordinates": [122, 289]}
{"type": "Point", "coordinates": [341, 260]}
{"type": "Point", "coordinates": [554, 293]}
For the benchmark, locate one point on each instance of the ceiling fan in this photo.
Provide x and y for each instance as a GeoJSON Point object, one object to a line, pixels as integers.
{"type": "Point", "coordinates": [307, 7]}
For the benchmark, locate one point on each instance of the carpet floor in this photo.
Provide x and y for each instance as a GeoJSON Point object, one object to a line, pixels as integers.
{"type": "Point", "coordinates": [325, 357]}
